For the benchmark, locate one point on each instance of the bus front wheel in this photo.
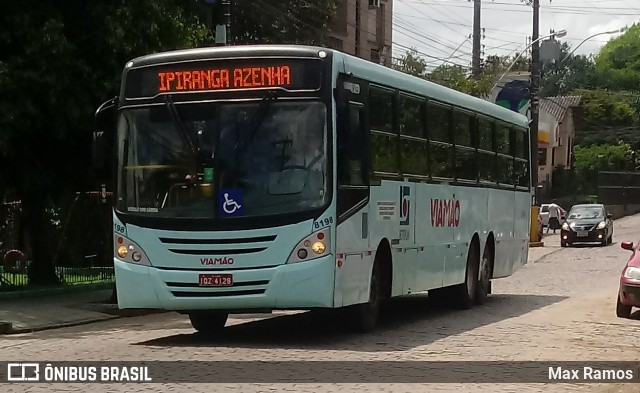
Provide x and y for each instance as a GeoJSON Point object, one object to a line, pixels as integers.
{"type": "Point", "coordinates": [365, 316]}
{"type": "Point", "coordinates": [207, 322]}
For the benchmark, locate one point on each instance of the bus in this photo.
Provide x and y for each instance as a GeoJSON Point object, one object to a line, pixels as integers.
{"type": "Point", "coordinates": [270, 178]}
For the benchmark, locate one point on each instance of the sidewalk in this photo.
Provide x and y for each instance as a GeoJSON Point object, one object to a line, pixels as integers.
{"type": "Point", "coordinates": [49, 312]}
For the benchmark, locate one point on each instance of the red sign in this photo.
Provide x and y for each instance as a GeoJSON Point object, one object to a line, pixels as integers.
{"type": "Point", "coordinates": [224, 78]}
{"type": "Point", "coordinates": [445, 212]}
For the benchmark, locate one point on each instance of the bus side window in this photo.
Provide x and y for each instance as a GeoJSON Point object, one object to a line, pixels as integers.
{"type": "Point", "coordinates": [351, 157]}
{"type": "Point", "coordinates": [352, 162]}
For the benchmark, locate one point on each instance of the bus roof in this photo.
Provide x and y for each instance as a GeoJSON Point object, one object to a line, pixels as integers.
{"type": "Point", "coordinates": [356, 66]}
{"type": "Point", "coordinates": [385, 76]}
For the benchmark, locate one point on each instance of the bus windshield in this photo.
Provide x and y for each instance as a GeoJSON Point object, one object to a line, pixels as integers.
{"type": "Point", "coordinates": [218, 160]}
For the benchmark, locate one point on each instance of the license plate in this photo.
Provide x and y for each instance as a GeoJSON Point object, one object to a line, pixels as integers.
{"type": "Point", "coordinates": [215, 280]}
{"type": "Point", "coordinates": [582, 234]}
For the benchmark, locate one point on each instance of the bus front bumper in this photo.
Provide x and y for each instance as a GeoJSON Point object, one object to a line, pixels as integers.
{"type": "Point", "coordinates": [301, 285]}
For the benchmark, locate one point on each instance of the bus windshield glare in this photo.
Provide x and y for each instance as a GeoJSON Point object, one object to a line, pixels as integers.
{"type": "Point", "coordinates": [219, 160]}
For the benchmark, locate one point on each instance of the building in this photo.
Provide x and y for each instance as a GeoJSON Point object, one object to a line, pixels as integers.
{"type": "Point", "coordinates": [555, 144]}
{"type": "Point", "coordinates": [556, 125]}
{"type": "Point", "coordinates": [363, 28]}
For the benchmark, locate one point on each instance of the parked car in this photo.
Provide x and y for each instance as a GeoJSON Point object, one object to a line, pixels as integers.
{"type": "Point", "coordinates": [587, 223]}
{"type": "Point", "coordinates": [544, 213]}
{"type": "Point", "coordinates": [629, 291]}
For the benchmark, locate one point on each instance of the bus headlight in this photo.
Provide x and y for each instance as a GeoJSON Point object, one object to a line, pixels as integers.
{"type": "Point", "coordinates": [316, 245]}
{"type": "Point", "coordinates": [128, 251]}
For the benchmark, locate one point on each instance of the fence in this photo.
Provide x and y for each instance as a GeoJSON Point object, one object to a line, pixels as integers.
{"type": "Point", "coordinates": [620, 192]}
{"type": "Point", "coordinates": [619, 188]}
{"type": "Point", "coordinates": [81, 242]}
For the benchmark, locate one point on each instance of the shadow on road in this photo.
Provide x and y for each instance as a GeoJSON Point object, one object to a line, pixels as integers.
{"type": "Point", "coordinates": [406, 323]}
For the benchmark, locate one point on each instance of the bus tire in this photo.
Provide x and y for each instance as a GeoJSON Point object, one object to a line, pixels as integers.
{"type": "Point", "coordinates": [208, 322]}
{"type": "Point", "coordinates": [365, 316]}
{"type": "Point", "coordinates": [465, 293]}
{"type": "Point", "coordinates": [483, 289]}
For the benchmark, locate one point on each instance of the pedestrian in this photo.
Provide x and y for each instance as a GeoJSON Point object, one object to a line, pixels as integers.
{"type": "Point", "coordinates": [554, 217]}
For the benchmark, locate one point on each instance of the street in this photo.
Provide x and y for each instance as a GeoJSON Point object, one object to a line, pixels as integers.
{"type": "Point", "coordinates": [560, 306]}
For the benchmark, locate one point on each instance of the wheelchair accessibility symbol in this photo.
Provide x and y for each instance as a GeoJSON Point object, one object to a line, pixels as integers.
{"type": "Point", "coordinates": [231, 202]}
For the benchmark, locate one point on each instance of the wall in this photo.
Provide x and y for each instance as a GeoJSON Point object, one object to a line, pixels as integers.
{"type": "Point", "coordinates": [375, 30]}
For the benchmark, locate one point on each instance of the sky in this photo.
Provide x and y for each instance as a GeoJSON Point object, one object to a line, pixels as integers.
{"type": "Point", "coordinates": [441, 29]}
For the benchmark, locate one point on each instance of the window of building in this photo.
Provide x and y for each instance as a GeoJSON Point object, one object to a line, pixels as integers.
{"type": "Point", "coordinates": [542, 157]}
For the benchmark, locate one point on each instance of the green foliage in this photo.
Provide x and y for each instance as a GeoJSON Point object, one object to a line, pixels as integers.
{"type": "Point", "coordinates": [282, 21]}
{"type": "Point", "coordinates": [618, 62]}
{"type": "Point", "coordinates": [568, 73]}
{"type": "Point", "coordinates": [413, 64]}
{"type": "Point", "coordinates": [58, 62]}
{"type": "Point", "coordinates": [602, 157]}
{"type": "Point", "coordinates": [448, 75]}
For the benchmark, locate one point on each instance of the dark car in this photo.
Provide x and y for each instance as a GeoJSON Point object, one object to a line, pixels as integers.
{"type": "Point", "coordinates": [629, 291]}
{"type": "Point", "coordinates": [587, 223]}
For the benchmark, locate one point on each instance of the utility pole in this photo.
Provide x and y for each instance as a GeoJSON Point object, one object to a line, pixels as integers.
{"type": "Point", "coordinates": [475, 63]}
{"type": "Point", "coordinates": [220, 16]}
{"type": "Point", "coordinates": [535, 84]}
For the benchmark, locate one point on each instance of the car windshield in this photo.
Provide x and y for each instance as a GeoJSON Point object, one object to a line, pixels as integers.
{"type": "Point", "coordinates": [545, 209]}
{"type": "Point", "coordinates": [586, 212]}
{"type": "Point", "coordinates": [211, 160]}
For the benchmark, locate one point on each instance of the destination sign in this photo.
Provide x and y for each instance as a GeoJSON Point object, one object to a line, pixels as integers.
{"type": "Point", "coordinates": [218, 75]}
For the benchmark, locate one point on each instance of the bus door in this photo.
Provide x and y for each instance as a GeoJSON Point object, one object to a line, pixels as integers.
{"type": "Point", "coordinates": [352, 240]}
{"type": "Point", "coordinates": [409, 253]}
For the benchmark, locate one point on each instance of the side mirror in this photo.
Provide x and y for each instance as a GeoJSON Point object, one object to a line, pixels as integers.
{"type": "Point", "coordinates": [627, 245]}
{"type": "Point", "coordinates": [609, 215]}
{"type": "Point", "coordinates": [105, 123]}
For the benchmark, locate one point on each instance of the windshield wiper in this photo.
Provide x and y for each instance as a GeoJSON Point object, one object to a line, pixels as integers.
{"type": "Point", "coordinates": [177, 122]}
{"type": "Point", "coordinates": [256, 119]}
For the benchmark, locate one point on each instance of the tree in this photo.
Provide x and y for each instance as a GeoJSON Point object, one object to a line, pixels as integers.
{"type": "Point", "coordinates": [618, 63]}
{"type": "Point", "coordinates": [412, 63]}
{"type": "Point", "coordinates": [282, 21]}
{"type": "Point", "coordinates": [566, 75]}
{"type": "Point", "coordinates": [58, 61]}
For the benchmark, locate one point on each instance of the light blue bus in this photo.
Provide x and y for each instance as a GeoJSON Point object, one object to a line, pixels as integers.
{"type": "Point", "coordinates": [301, 178]}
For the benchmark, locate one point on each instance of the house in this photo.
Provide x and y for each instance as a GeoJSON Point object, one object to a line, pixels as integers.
{"type": "Point", "coordinates": [556, 136]}
{"type": "Point", "coordinates": [363, 28]}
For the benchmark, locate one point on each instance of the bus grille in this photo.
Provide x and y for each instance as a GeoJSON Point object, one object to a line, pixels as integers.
{"type": "Point", "coordinates": [244, 245]}
{"type": "Point", "coordinates": [188, 289]}
{"type": "Point", "coordinates": [218, 294]}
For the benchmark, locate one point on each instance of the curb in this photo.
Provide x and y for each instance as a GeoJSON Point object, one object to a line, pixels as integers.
{"type": "Point", "coordinates": [106, 317]}
{"type": "Point", "coordinates": [42, 292]}
{"type": "Point", "coordinates": [60, 325]}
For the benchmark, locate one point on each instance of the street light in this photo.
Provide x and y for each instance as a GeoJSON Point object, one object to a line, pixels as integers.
{"type": "Point", "coordinates": [558, 34]}
{"type": "Point", "coordinates": [620, 30]}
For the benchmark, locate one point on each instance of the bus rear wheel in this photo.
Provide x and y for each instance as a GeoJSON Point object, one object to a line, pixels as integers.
{"type": "Point", "coordinates": [464, 295]}
{"type": "Point", "coordinates": [207, 322]}
{"type": "Point", "coordinates": [484, 281]}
